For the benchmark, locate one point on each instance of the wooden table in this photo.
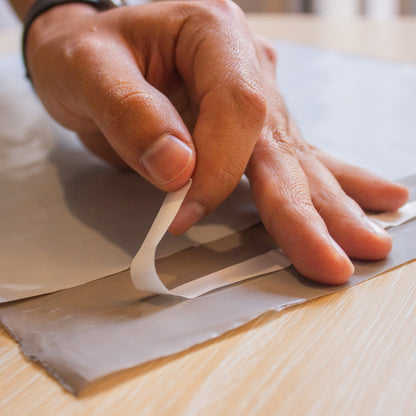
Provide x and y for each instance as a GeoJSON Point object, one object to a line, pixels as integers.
{"type": "Point", "coordinates": [353, 352]}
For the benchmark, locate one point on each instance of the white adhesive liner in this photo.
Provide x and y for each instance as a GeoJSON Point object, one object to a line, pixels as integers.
{"type": "Point", "coordinates": [143, 268]}
{"type": "Point", "coordinates": [392, 219]}
{"type": "Point", "coordinates": [145, 276]}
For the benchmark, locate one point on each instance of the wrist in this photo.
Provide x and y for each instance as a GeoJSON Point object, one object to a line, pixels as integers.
{"type": "Point", "coordinates": [51, 23]}
{"type": "Point", "coordinates": [57, 17]}
{"type": "Point", "coordinates": [50, 17]}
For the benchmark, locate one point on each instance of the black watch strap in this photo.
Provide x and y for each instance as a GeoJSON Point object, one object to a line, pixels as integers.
{"type": "Point", "coordinates": [41, 6]}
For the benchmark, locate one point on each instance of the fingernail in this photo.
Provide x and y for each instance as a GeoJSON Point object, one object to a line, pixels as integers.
{"type": "Point", "coordinates": [342, 254]}
{"type": "Point", "coordinates": [377, 229]}
{"type": "Point", "coordinates": [189, 214]}
{"type": "Point", "coordinates": [166, 159]}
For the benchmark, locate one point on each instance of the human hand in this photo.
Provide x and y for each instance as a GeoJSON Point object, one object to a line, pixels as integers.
{"type": "Point", "coordinates": [182, 88]}
{"type": "Point", "coordinates": [311, 202]}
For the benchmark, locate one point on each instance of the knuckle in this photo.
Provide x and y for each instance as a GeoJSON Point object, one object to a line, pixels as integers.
{"type": "Point", "coordinates": [250, 99]}
{"type": "Point", "coordinates": [266, 149]}
{"type": "Point", "coordinates": [201, 12]}
{"type": "Point", "coordinates": [276, 139]}
{"type": "Point", "coordinates": [212, 12]}
{"type": "Point", "coordinates": [297, 200]}
{"type": "Point", "coordinates": [266, 47]}
{"type": "Point", "coordinates": [123, 100]}
{"type": "Point", "coordinates": [217, 186]}
{"type": "Point", "coordinates": [83, 50]}
{"type": "Point", "coordinates": [280, 141]}
{"type": "Point", "coordinates": [285, 142]}
{"type": "Point", "coordinates": [226, 180]}
{"type": "Point", "coordinates": [228, 6]}
{"type": "Point", "coordinates": [228, 177]}
{"type": "Point", "coordinates": [271, 55]}
{"type": "Point", "coordinates": [225, 6]}
{"type": "Point", "coordinates": [295, 206]}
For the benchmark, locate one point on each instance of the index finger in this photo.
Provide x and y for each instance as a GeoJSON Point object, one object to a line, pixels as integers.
{"type": "Point", "coordinates": [218, 61]}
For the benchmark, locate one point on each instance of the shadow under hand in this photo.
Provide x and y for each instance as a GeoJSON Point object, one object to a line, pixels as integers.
{"type": "Point", "coordinates": [119, 205]}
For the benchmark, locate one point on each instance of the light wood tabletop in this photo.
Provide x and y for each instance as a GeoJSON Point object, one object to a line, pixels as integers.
{"type": "Point", "coordinates": [353, 352]}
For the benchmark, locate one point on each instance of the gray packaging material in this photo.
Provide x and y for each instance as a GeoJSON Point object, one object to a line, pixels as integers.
{"type": "Point", "coordinates": [64, 212]}
{"type": "Point", "coordinates": [85, 332]}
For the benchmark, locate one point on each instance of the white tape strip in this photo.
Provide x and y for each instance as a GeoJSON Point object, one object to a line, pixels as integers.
{"type": "Point", "coordinates": [269, 262]}
{"type": "Point", "coordinates": [143, 268]}
{"type": "Point", "coordinates": [393, 219]}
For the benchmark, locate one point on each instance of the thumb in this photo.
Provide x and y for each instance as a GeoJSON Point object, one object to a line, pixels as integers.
{"type": "Point", "coordinates": [142, 126]}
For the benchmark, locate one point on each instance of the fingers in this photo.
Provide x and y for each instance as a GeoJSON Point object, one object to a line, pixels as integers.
{"type": "Point", "coordinates": [138, 121]}
{"type": "Point", "coordinates": [282, 195]}
{"type": "Point", "coordinates": [224, 140]}
{"type": "Point", "coordinates": [117, 70]}
{"type": "Point", "coordinates": [369, 190]}
{"type": "Point", "coordinates": [359, 237]}
{"type": "Point", "coordinates": [227, 83]}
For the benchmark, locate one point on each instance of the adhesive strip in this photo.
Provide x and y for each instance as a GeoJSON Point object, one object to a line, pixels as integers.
{"type": "Point", "coordinates": [143, 267]}
{"type": "Point", "coordinates": [145, 276]}
{"type": "Point", "coordinates": [392, 219]}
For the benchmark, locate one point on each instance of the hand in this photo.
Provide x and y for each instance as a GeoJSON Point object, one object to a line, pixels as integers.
{"type": "Point", "coordinates": [310, 202]}
{"type": "Point", "coordinates": [182, 88]}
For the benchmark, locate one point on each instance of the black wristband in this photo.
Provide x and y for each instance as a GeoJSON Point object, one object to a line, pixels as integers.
{"type": "Point", "coordinates": [41, 6]}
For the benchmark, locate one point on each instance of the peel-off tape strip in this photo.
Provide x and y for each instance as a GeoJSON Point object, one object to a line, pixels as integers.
{"type": "Point", "coordinates": [393, 219]}
{"type": "Point", "coordinates": [143, 268]}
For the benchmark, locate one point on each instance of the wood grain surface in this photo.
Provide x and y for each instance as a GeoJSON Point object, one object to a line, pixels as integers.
{"type": "Point", "coordinates": [350, 353]}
